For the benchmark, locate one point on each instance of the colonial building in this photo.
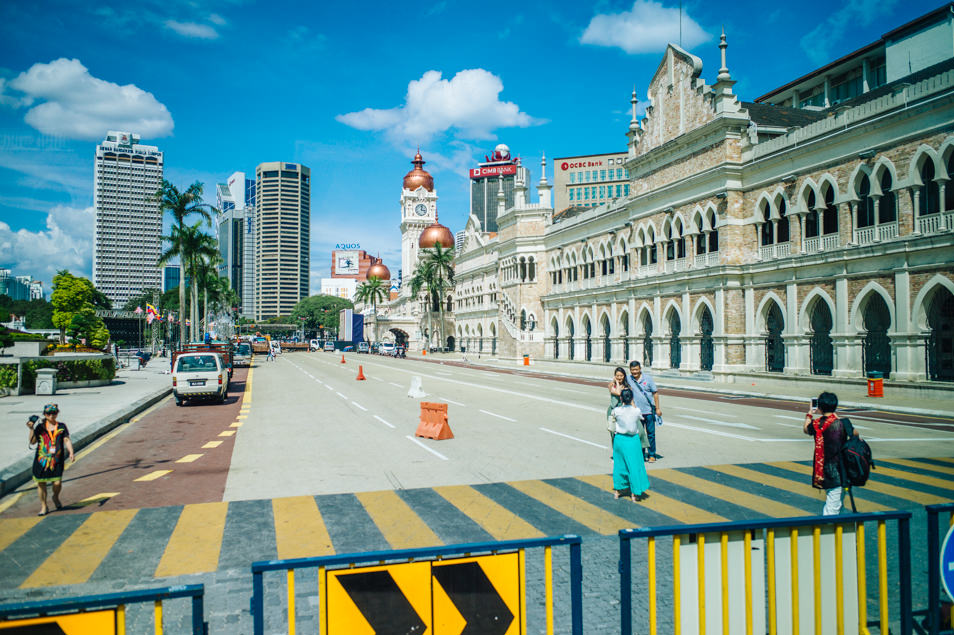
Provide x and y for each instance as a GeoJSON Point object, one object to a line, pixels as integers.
{"type": "Point", "coordinates": [756, 237]}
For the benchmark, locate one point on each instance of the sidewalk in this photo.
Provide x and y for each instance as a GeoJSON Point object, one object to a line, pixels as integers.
{"type": "Point", "coordinates": [88, 413]}
{"type": "Point", "coordinates": [935, 399]}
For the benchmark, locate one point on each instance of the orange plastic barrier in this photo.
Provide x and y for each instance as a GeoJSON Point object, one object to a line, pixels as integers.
{"type": "Point", "coordinates": [342, 358]}
{"type": "Point", "coordinates": [433, 423]}
{"type": "Point", "coordinates": [360, 376]}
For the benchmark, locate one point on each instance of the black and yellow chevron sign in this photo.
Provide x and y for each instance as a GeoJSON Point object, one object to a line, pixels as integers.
{"type": "Point", "coordinates": [460, 596]}
{"type": "Point", "coordinates": [99, 622]}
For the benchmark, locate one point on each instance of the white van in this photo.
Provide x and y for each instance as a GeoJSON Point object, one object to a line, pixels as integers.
{"type": "Point", "coordinates": [387, 348]}
{"type": "Point", "coordinates": [200, 376]}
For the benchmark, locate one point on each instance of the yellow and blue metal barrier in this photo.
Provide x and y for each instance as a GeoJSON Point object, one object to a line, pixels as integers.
{"type": "Point", "coordinates": [433, 590]}
{"type": "Point", "coordinates": [934, 564]}
{"type": "Point", "coordinates": [105, 613]}
{"type": "Point", "coordinates": [741, 587]}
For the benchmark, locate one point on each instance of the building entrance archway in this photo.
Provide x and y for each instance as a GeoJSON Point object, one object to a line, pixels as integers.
{"type": "Point", "coordinates": [706, 345]}
{"type": "Point", "coordinates": [821, 348]}
{"type": "Point", "coordinates": [941, 339]}
{"type": "Point", "coordinates": [774, 346]}
{"type": "Point", "coordinates": [675, 345]}
{"type": "Point", "coordinates": [876, 349]}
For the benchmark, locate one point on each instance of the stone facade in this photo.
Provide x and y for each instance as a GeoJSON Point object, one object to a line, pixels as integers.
{"type": "Point", "coordinates": [755, 239]}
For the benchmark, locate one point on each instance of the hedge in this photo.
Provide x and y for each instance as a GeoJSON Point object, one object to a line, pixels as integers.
{"type": "Point", "coordinates": [8, 375]}
{"type": "Point", "coordinates": [69, 370]}
{"type": "Point", "coordinates": [27, 337]}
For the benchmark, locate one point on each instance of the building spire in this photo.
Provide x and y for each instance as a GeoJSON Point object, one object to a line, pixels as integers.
{"type": "Point", "coordinates": [633, 123]}
{"type": "Point", "coordinates": [724, 70]}
{"type": "Point", "coordinates": [543, 188]}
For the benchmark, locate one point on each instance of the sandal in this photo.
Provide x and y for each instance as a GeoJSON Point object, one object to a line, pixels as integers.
{"type": "Point", "coordinates": [651, 459]}
{"type": "Point", "coordinates": [616, 495]}
{"type": "Point", "coordinates": [42, 514]}
{"type": "Point", "coordinates": [633, 498]}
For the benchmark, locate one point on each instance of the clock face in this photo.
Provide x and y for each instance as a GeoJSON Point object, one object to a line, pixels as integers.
{"type": "Point", "coordinates": [421, 209]}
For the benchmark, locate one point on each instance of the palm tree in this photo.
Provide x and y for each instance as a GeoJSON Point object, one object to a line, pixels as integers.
{"type": "Point", "coordinates": [205, 257]}
{"type": "Point", "coordinates": [372, 291]}
{"type": "Point", "coordinates": [189, 244]}
{"type": "Point", "coordinates": [434, 272]}
{"type": "Point", "coordinates": [181, 205]}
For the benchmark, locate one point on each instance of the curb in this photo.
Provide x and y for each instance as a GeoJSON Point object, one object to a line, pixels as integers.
{"type": "Point", "coordinates": [661, 382]}
{"type": "Point", "coordinates": [18, 473]}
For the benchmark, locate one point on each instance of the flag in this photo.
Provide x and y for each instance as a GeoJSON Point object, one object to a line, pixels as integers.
{"type": "Point", "coordinates": [149, 318]}
{"type": "Point", "coordinates": [138, 310]}
{"type": "Point", "coordinates": [188, 322]}
{"type": "Point", "coordinates": [151, 310]}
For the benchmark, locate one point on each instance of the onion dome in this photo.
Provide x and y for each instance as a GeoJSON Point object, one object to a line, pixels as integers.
{"type": "Point", "coordinates": [379, 271]}
{"type": "Point", "coordinates": [418, 177]}
{"type": "Point", "coordinates": [434, 234]}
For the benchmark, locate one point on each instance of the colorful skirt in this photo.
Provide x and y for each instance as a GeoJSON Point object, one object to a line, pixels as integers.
{"type": "Point", "coordinates": [629, 468]}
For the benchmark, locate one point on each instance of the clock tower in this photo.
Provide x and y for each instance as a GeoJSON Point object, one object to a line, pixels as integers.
{"type": "Point", "coordinates": [418, 210]}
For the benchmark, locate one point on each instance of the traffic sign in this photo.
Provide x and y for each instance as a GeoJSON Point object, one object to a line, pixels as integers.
{"type": "Point", "coordinates": [99, 622]}
{"type": "Point", "coordinates": [440, 597]}
{"type": "Point", "coordinates": [947, 563]}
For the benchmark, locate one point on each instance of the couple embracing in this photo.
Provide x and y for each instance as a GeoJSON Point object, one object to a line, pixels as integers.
{"type": "Point", "coordinates": [631, 417]}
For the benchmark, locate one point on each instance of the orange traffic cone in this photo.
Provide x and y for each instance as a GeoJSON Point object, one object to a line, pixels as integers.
{"type": "Point", "coordinates": [342, 358]}
{"type": "Point", "coordinates": [360, 376]}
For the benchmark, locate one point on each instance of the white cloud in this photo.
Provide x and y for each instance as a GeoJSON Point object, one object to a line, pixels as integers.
{"type": "Point", "coordinates": [193, 29]}
{"type": "Point", "coordinates": [469, 104]}
{"type": "Point", "coordinates": [215, 18]}
{"type": "Point", "coordinates": [646, 28]}
{"type": "Point", "coordinates": [819, 43]}
{"type": "Point", "coordinates": [66, 243]}
{"type": "Point", "coordinates": [77, 105]}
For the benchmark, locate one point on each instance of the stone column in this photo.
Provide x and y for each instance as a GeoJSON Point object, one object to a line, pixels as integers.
{"type": "Point", "coordinates": [692, 353]}
{"type": "Point", "coordinates": [942, 187]}
{"type": "Point", "coordinates": [912, 220]}
{"type": "Point", "coordinates": [846, 224]}
{"type": "Point", "coordinates": [877, 216]}
{"type": "Point", "coordinates": [847, 360]}
{"type": "Point", "coordinates": [758, 240]}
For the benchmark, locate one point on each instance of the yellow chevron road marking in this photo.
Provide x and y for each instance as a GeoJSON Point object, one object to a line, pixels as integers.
{"type": "Point", "coordinates": [874, 485]}
{"type": "Point", "coordinates": [495, 519]}
{"type": "Point", "coordinates": [77, 557]}
{"type": "Point", "coordinates": [785, 484]}
{"type": "Point", "coordinates": [400, 525]}
{"type": "Point", "coordinates": [597, 519]}
{"type": "Point", "coordinates": [13, 528]}
{"type": "Point", "coordinates": [300, 531]}
{"type": "Point", "coordinates": [189, 458]}
{"type": "Point", "coordinates": [153, 475]}
{"type": "Point", "coordinates": [226, 433]}
{"type": "Point", "coordinates": [881, 470]}
{"type": "Point", "coordinates": [918, 464]}
{"type": "Point", "coordinates": [236, 424]}
{"type": "Point", "coordinates": [677, 510]}
{"type": "Point", "coordinates": [761, 504]}
{"type": "Point", "coordinates": [211, 444]}
{"type": "Point", "coordinates": [196, 541]}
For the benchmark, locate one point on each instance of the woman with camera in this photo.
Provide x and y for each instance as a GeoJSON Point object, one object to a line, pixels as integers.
{"type": "Point", "coordinates": [52, 440]}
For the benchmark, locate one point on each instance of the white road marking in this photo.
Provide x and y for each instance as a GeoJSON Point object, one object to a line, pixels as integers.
{"type": "Point", "coordinates": [329, 387]}
{"type": "Point", "coordinates": [715, 432]}
{"type": "Point", "coordinates": [434, 452]}
{"type": "Point", "coordinates": [456, 403]}
{"type": "Point", "coordinates": [560, 434]}
{"type": "Point", "coordinates": [340, 395]}
{"type": "Point", "coordinates": [499, 416]}
{"type": "Point", "coordinates": [910, 439]}
{"type": "Point", "coordinates": [721, 423]}
{"type": "Point", "coordinates": [383, 421]}
{"type": "Point", "coordinates": [357, 405]}
{"type": "Point", "coordinates": [393, 384]}
{"type": "Point", "coordinates": [377, 379]}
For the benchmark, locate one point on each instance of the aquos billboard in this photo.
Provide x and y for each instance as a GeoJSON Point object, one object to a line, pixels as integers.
{"type": "Point", "coordinates": [346, 263]}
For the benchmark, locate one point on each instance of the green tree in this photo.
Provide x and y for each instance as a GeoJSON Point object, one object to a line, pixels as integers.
{"type": "Point", "coordinates": [6, 339]}
{"type": "Point", "coordinates": [71, 294]}
{"type": "Point", "coordinates": [320, 310]}
{"type": "Point", "coordinates": [83, 325]}
{"type": "Point", "coordinates": [372, 291]}
{"type": "Point", "coordinates": [435, 275]}
{"type": "Point", "coordinates": [195, 245]}
{"type": "Point", "coordinates": [180, 206]}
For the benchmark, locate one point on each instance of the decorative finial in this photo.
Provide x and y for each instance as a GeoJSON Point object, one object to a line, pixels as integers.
{"type": "Point", "coordinates": [724, 70]}
{"type": "Point", "coordinates": [633, 123]}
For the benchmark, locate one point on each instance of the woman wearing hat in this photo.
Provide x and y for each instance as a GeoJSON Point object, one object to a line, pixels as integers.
{"type": "Point", "coordinates": [51, 438]}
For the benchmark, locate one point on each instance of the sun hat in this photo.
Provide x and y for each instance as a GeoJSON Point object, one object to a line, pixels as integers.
{"type": "Point", "coordinates": [51, 408]}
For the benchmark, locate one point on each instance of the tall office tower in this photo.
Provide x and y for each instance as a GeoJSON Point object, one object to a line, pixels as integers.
{"type": "Point", "coordinates": [128, 238]}
{"type": "Point", "coordinates": [485, 180]}
{"type": "Point", "coordinates": [282, 235]}
{"type": "Point", "coordinates": [231, 230]}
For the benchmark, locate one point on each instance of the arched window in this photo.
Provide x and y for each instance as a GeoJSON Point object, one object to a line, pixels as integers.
{"type": "Point", "coordinates": [949, 190]}
{"type": "Point", "coordinates": [782, 234]}
{"type": "Point", "coordinates": [700, 237]}
{"type": "Point", "coordinates": [821, 347]}
{"type": "Point", "coordinates": [888, 205]}
{"type": "Point", "coordinates": [523, 320]}
{"type": "Point", "coordinates": [811, 219]}
{"type": "Point", "coordinates": [865, 214]}
{"type": "Point", "coordinates": [774, 345]}
{"type": "Point", "coordinates": [876, 349]}
{"type": "Point", "coordinates": [706, 345]}
{"type": "Point", "coordinates": [830, 222]}
{"type": "Point", "coordinates": [531, 270]}
{"type": "Point", "coordinates": [713, 234]}
{"type": "Point", "coordinates": [648, 340]}
{"type": "Point", "coordinates": [768, 235]}
{"type": "Point", "coordinates": [929, 202]}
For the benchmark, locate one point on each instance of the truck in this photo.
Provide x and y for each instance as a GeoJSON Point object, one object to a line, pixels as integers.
{"type": "Point", "coordinates": [224, 349]}
{"type": "Point", "coordinates": [261, 344]}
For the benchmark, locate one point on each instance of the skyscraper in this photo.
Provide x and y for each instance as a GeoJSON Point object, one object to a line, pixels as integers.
{"type": "Point", "coordinates": [128, 238]}
{"type": "Point", "coordinates": [485, 181]}
{"type": "Point", "coordinates": [282, 236]}
{"type": "Point", "coordinates": [236, 203]}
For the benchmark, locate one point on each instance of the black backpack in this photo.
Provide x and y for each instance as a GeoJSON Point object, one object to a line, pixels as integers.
{"type": "Point", "coordinates": [855, 457]}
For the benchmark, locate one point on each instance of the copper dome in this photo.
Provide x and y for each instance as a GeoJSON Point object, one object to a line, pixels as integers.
{"type": "Point", "coordinates": [418, 177]}
{"type": "Point", "coordinates": [434, 234]}
{"type": "Point", "coordinates": [379, 271]}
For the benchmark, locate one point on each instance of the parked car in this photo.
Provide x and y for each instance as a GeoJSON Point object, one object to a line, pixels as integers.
{"type": "Point", "coordinates": [200, 376]}
{"type": "Point", "coordinates": [375, 347]}
{"type": "Point", "coordinates": [364, 347]}
{"type": "Point", "coordinates": [330, 346]}
{"type": "Point", "coordinates": [314, 345]}
{"type": "Point", "coordinates": [242, 355]}
{"type": "Point", "coordinates": [387, 348]}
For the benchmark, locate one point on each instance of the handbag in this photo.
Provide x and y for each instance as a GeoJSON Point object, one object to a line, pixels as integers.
{"type": "Point", "coordinates": [611, 422]}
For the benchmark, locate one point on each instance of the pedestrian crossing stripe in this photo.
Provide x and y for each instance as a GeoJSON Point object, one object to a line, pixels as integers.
{"type": "Point", "coordinates": [203, 537]}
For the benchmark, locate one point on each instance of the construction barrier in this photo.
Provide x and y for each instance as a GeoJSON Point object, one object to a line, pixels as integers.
{"type": "Point", "coordinates": [934, 564]}
{"type": "Point", "coordinates": [737, 569]}
{"type": "Point", "coordinates": [433, 423]}
{"type": "Point", "coordinates": [101, 614]}
{"type": "Point", "coordinates": [477, 587]}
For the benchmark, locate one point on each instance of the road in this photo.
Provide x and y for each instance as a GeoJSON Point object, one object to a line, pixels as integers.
{"type": "Point", "coordinates": [303, 459]}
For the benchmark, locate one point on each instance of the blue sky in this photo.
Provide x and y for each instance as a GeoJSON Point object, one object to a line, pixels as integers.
{"type": "Point", "coordinates": [350, 90]}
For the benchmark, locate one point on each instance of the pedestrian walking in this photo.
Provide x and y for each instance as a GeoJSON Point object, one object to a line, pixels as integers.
{"type": "Point", "coordinates": [646, 398]}
{"type": "Point", "coordinates": [616, 386]}
{"type": "Point", "coordinates": [829, 434]}
{"type": "Point", "coordinates": [629, 467]}
{"type": "Point", "coordinates": [271, 354]}
{"type": "Point", "coordinates": [52, 439]}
